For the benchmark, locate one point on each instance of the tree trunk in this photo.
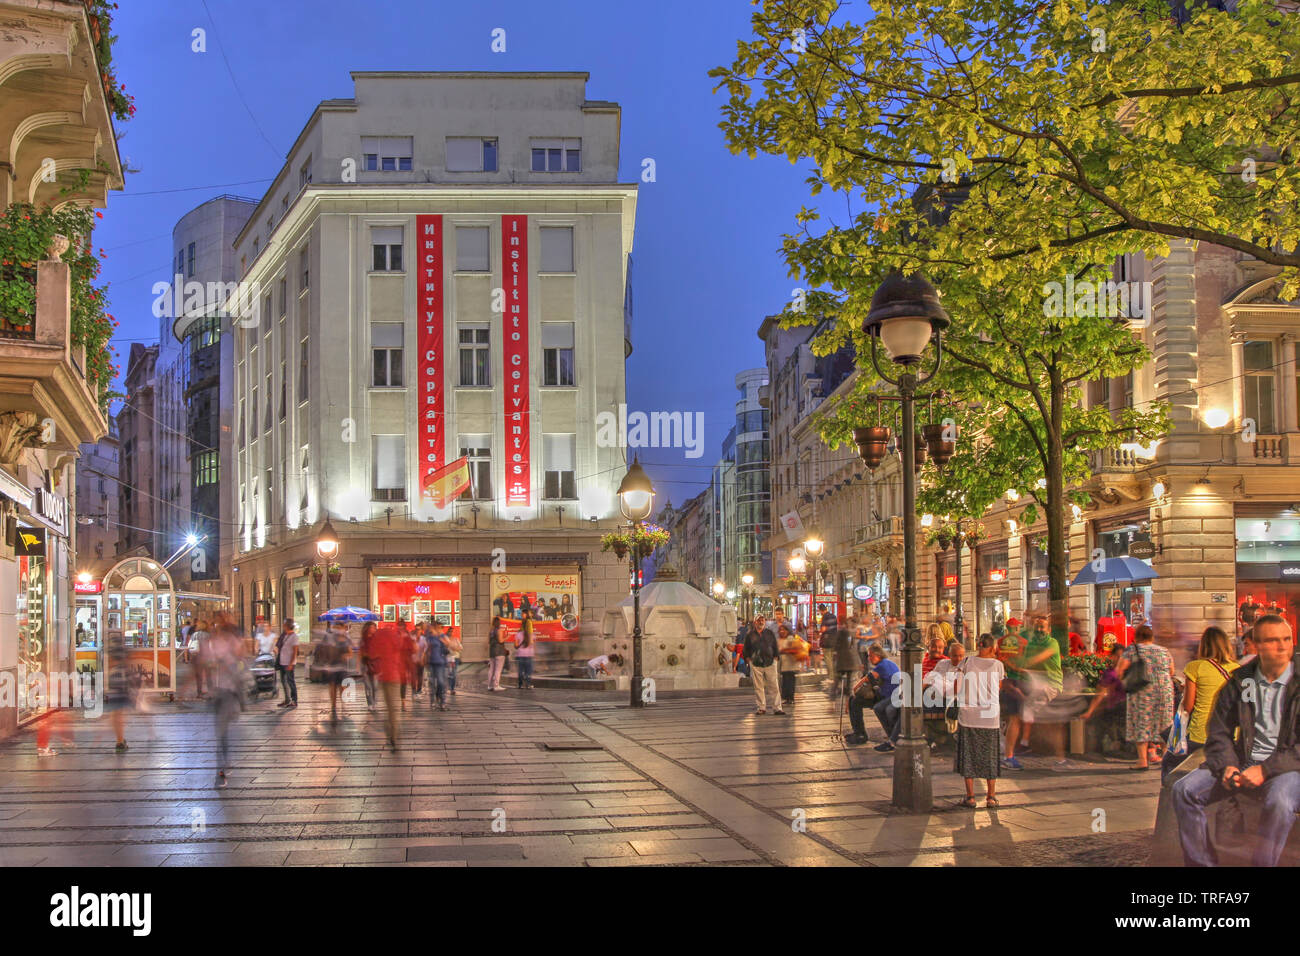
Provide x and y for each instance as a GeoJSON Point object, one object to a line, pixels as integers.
{"type": "Point", "coordinates": [1057, 571]}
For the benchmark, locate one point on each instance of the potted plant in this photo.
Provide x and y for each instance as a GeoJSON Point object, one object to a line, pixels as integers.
{"type": "Point", "coordinates": [642, 538]}
{"type": "Point", "coordinates": [316, 573]}
{"type": "Point", "coordinates": [335, 573]}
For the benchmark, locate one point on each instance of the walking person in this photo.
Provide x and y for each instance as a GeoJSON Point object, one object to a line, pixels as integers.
{"type": "Point", "coordinates": [454, 650]}
{"type": "Point", "coordinates": [198, 660]}
{"type": "Point", "coordinates": [1150, 708]}
{"type": "Point", "coordinates": [338, 649]}
{"type": "Point", "coordinates": [406, 641]}
{"type": "Point", "coordinates": [525, 652]}
{"type": "Point", "coordinates": [979, 682]}
{"type": "Point", "coordinates": [120, 688]}
{"type": "Point", "coordinates": [1252, 748]}
{"type": "Point", "coordinates": [792, 654]}
{"type": "Point", "coordinates": [1040, 667]}
{"type": "Point", "coordinates": [436, 655]}
{"type": "Point", "coordinates": [391, 656]}
{"type": "Point", "coordinates": [497, 651]}
{"type": "Point", "coordinates": [226, 679]}
{"type": "Point", "coordinates": [366, 650]}
{"type": "Point", "coordinates": [286, 656]}
{"type": "Point", "coordinates": [761, 652]}
{"type": "Point", "coordinates": [418, 658]}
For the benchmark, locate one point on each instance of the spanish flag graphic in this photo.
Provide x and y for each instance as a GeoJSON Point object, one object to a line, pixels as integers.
{"type": "Point", "coordinates": [447, 483]}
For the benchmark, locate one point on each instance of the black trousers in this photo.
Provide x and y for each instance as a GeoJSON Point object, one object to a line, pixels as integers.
{"type": "Point", "coordinates": [787, 684]}
{"type": "Point", "coordinates": [290, 683]}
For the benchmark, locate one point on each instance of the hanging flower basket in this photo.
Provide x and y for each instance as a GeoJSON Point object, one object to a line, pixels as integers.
{"type": "Point", "coordinates": [335, 573]}
{"type": "Point", "coordinates": [643, 537]}
{"type": "Point", "coordinates": [316, 573]}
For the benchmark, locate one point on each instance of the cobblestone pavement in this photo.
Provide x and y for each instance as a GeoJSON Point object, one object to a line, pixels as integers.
{"type": "Point", "coordinates": [546, 777]}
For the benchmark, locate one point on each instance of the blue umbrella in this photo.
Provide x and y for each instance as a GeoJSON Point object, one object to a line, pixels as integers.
{"type": "Point", "coordinates": [1115, 571]}
{"type": "Point", "coordinates": [349, 614]}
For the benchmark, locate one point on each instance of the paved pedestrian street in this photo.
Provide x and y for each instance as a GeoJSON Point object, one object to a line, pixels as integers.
{"type": "Point", "coordinates": [547, 777]}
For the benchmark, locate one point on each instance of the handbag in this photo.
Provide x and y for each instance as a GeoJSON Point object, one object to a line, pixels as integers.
{"type": "Point", "coordinates": [1136, 677]}
{"type": "Point", "coordinates": [1176, 745]}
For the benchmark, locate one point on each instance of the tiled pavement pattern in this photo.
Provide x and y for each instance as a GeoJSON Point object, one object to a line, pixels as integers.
{"type": "Point", "coordinates": [687, 781]}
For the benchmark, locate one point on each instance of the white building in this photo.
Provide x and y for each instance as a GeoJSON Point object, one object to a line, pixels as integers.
{"type": "Point", "coordinates": [440, 272]}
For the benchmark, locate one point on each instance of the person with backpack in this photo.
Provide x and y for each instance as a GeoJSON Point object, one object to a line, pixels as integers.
{"type": "Point", "coordinates": [436, 655]}
{"type": "Point", "coordinates": [525, 652]}
{"type": "Point", "coordinates": [286, 657]}
{"type": "Point", "coordinates": [761, 651]}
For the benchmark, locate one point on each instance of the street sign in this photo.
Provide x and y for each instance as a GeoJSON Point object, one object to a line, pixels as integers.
{"type": "Point", "coordinates": [863, 592]}
{"type": "Point", "coordinates": [1142, 549]}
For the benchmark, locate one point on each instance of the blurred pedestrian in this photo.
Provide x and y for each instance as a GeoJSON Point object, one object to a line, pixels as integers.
{"type": "Point", "coordinates": [337, 650]}
{"type": "Point", "coordinates": [525, 652]}
{"type": "Point", "coordinates": [497, 651]}
{"type": "Point", "coordinates": [1206, 675]}
{"type": "Point", "coordinates": [391, 655]}
{"type": "Point", "coordinates": [409, 647]}
{"type": "Point", "coordinates": [846, 660]}
{"type": "Point", "coordinates": [421, 637]}
{"type": "Point", "coordinates": [436, 655]}
{"type": "Point", "coordinates": [454, 650]}
{"type": "Point", "coordinates": [120, 688]}
{"type": "Point", "coordinates": [226, 679]}
{"type": "Point", "coordinates": [791, 649]}
{"type": "Point", "coordinates": [1040, 664]}
{"type": "Point", "coordinates": [198, 660]}
{"type": "Point", "coordinates": [1150, 708]}
{"type": "Point", "coordinates": [367, 663]}
{"type": "Point", "coordinates": [286, 656]}
{"type": "Point", "coordinates": [979, 679]}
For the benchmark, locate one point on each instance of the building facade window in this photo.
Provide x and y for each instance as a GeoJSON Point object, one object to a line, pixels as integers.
{"type": "Point", "coordinates": [284, 297]}
{"type": "Point", "coordinates": [389, 470]}
{"type": "Point", "coordinates": [475, 356]}
{"type": "Point", "coordinates": [557, 249]}
{"type": "Point", "coordinates": [189, 261]}
{"type": "Point", "coordinates": [472, 254]}
{"type": "Point", "coordinates": [284, 390]}
{"type": "Point", "coordinates": [557, 155]}
{"type": "Point", "coordinates": [304, 271]}
{"type": "Point", "coordinates": [302, 370]}
{"type": "Point", "coordinates": [386, 154]}
{"type": "Point", "coordinates": [266, 420]}
{"type": "Point", "coordinates": [471, 154]}
{"type": "Point", "coordinates": [386, 349]}
{"type": "Point", "coordinates": [558, 454]}
{"type": "Point", "coordinates": [386, 248]}
{"type": "Point", "coordinates": [207, 469]}
{"type": "Point", "coordinates": [304, 174]}
{"type": "Point", "coordinates": [478, 449]}
{"type": "Point", "coordinates": [557, 353]}
{"type": "Point", "coordinates": [1259, 386]}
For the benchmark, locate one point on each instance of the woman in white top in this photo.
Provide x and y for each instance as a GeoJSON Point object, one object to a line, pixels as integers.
{"type": "Point", "coordinates": [978, 712]}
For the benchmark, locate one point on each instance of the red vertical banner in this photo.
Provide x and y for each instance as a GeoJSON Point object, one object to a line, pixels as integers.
{"type": "Point", "coordinates": [428, 245]}
{"type": "Point", "coordinates": [514, 274]}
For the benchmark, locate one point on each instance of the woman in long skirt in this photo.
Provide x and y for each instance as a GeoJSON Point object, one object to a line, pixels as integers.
{"type": "Point", "coordinates": [978, 712]}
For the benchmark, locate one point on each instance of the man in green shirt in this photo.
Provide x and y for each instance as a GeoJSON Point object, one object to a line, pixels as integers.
{"type": "Point", "coordinates": [1010, 646]}
{"type": "Point", "coordinates": [1040, 663]}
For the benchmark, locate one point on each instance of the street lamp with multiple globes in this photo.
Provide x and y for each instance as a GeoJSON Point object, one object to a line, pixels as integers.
{"type": "Point", "coordinates": [747, 593]}
{"type": "Point", "coordinates": [635, 499]}
{"type": "Point", "coordinates": [906, 317]}
{"type": "Point", "coordinates": [718, 590]}
{"type": "Point", "coordinates": [327, 547]}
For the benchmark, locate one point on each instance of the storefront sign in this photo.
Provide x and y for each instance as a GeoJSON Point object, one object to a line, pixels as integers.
{"type": "Point", "coordinates": [1289, 570]}
{"type": "Point", "coordinates": [998, 575]}
{"type": "Point", "coordinates": [514, 276]}
{"type": "Point", "coordinates": [29, 542]}
{"type": "Point", "coordinates": [1142, 549]}
{"type": "Point", "coordinates": [51, 509]}
{"type": "Point", "coordinates": [950, 580]}
{"type": "Point", "coordinates": [863, 592]}
{"type": "Point", "coordinates": [429, 379]}
{"type": "Point", "coordinates": [88, 587]}
{"type": "Point", "coordinates": [555, 601]}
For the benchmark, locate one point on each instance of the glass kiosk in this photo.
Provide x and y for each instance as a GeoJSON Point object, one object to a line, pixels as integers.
{"type": "Point", "coordinates": [139, 603]}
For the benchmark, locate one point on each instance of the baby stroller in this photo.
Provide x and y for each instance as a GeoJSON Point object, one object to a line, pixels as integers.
{"type": "Point", "coordinates": [263, 674]}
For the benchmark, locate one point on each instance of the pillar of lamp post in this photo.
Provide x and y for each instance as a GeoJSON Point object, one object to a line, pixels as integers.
{"type": "Point", "coordinates": [747, 594]}
{"type": "Point", "coordinates": [906, 317]}
{"type": "Point", "coordinates": [327, 548]}
{"type": "Point", "coordinates": [636, 499]}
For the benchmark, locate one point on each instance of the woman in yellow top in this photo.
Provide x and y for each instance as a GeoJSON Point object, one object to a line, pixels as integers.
{"type": "Point", "coordinates": [1205, 675]}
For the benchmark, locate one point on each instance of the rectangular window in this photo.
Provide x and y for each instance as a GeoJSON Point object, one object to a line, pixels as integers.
{"type": "Point", "coordinates": [475, 366]}
{"type": "Point", "coordinates": [266, 422]}
{"type": "Point", "coordinates": [472, 249]}
{"type": "Point", "coordinates": [386, 154]}
{"type": "Point", "coordinates": [557, 353]}
{"type": "Point", "coordinates": [253, 408]}
{"type": "Point", "coordinates": [304, 173]}
{"type": "Point", "coordinates": [558, 453]}
{"type": "Point", "coordinates": [478, 449]}
{"type": "Point", "coordinates": [386, 349]}
{"type": "Point", "coordinates": [189, 261]}
{"type": "Point", "coordinates": [304, 470]}
{"type": "Point", "coordinates": [557, 249]}
{"type": "Point", "coordinates": [471, 154]}
{"type": "Point", "coordinates": [284, 297]}
{"type": "Point", "coordinates": [207, 468]}
{"type": "Point", "coordinates": [389, 467]}
{"type": "Point", "coordinates": [557, 155]}
{"type": "Point", "coordinates": [266, 312]}
{"type": "Point", "coordinates": [302, 370]}
{"type": "Point", "coordinates": [304, 270]}
{"type": "Point", "coordinates": [386, 248]}
{"type": "Point", "coordinates": [1259, 386]}
{"type": "Point", "coordinates": [243, 422]}
{"type": "Point", "coordinates": [284, 390]}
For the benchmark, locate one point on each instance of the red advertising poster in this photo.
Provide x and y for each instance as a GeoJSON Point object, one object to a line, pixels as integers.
{"type": "Point", "coordinates": [429, 344]}
{"type": "Point", "coordinates": [554, 600]}
{"type": "Point", "coordinates": [514, 269]}
{"type": "Point", "coordinates": [420, 601]}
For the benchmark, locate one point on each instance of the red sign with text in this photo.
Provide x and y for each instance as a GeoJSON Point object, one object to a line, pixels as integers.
{"type": "Point", "coordinates": [514, 276]}
{"type": "Point", "coordinates": [428, 246]}
{"type": "Point", "coordinates": [950, 580]}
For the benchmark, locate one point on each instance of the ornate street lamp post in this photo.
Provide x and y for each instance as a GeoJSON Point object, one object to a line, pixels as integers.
{"type": "Point", "coordinates": [905, 317]}
{"type": "Point", "coordinates": [327, 547]}
{"type": "Point", "coordinates": [635, 499]}
{"type": "Point", "coordinates": [747, 580]}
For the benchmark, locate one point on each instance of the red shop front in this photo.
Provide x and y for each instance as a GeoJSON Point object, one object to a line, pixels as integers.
{"type": "Point", "coordinates": [419, 600]}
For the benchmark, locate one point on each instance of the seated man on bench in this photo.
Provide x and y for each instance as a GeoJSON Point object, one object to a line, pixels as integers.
{"type": "Point", "coordinates": [1261, 700]}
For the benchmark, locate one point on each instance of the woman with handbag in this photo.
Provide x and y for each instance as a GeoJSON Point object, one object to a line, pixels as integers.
{"type": "Point", "coordinates": [978, 712]}
{"type": "Point", "coordinates": [1147, 672]}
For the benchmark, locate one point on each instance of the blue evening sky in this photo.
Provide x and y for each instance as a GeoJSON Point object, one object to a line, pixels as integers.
{"type": "Point", "coordinates": [707, 266]}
